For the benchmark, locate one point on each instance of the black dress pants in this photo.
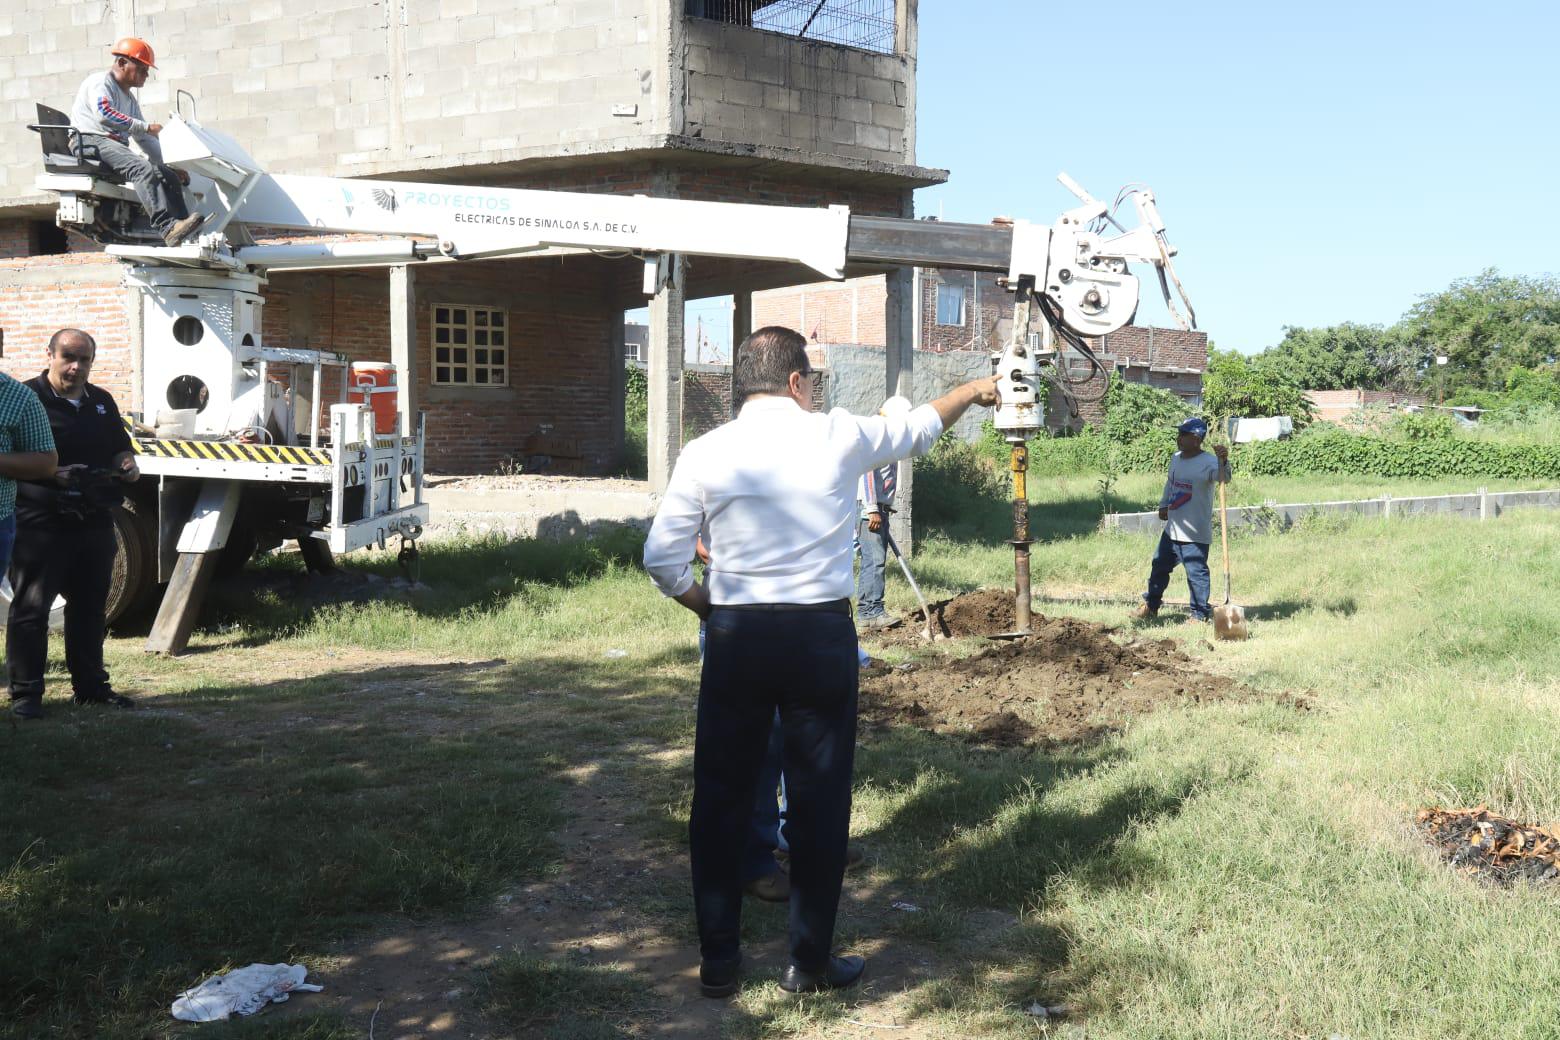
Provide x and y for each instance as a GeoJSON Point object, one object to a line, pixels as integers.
{"type": "Point", "coordinates": [803, 662]}
{"type": "Point", "coordinates": [46, 564]}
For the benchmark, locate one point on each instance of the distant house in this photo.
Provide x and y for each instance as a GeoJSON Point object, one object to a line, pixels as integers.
{"type": "Point", "coordinates": [636, 341]}
{"type": "Point", "coordinates": [1337, 405]}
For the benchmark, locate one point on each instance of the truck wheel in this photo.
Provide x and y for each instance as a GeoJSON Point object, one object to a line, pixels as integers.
{"type": "Point", "coordinates": [132, 587]}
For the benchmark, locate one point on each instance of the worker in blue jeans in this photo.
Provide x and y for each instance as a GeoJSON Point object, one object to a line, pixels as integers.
{"type": "Point", "coordinates": [1186, 507]}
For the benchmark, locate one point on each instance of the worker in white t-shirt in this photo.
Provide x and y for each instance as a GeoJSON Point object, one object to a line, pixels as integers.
{"type": "Point", "coordinates": [1186, 507]}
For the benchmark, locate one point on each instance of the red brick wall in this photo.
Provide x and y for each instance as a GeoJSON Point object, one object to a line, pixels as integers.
{"type": "Point", "coordinates": [995, 304]}
{"type": "Point", "coordinates": [852, 311]}
{"type": "Point", "coordinates": [559, 352]}
{"type": "Point", "coordinates": [33, 308]}
{"type": "Point", "coordinates": [16, 239]}
{"type": "Point", "coordinates": [1159, 348]}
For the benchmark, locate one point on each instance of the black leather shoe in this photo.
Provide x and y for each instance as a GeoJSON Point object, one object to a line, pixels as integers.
{"type": "Point", "coordinates": [719, 978]}
{"type": "Point", "coordinates": [840, 973]}
{"type": "Point", "coordinates": [27, 707]}
{"type": "Point", "coordinates": [774, 887]}
{"type": "Point", "coordinates": [115, 700]}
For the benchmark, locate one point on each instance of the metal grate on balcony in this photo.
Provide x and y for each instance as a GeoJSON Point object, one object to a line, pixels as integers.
{"type": "Point", "coordinates": [864, 24]}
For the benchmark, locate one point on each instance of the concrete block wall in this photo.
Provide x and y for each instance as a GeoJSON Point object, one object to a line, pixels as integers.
{"type": "Point", "coordinates": [350, 87]}
{"type": "Point", "coordinates": [747, 86]}
{"type": "Point", "coordinates": [856, 380]}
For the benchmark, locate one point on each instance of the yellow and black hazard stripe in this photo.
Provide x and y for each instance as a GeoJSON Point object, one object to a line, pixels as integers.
{"type": "Point", "coordinates": [230, 451]}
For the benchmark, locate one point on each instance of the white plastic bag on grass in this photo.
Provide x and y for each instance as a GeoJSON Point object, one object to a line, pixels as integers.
{"type": "Point", "coordinates": [245, 990]}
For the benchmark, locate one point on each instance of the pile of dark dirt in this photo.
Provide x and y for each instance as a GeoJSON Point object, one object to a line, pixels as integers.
{"type": "Point", "coordinates": [1481, 844]}
{"type": "Point", "coordinates": [1068, 681]}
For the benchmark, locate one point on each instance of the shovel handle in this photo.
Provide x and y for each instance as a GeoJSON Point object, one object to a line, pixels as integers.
{"type": "Point", "coordinates": [1224, 539]}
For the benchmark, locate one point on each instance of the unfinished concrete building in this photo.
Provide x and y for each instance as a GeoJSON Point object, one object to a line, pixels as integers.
{"type": "Point", "coordinates": [785, 102]}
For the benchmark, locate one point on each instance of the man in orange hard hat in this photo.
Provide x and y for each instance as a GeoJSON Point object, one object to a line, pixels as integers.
{"type": "Point", "coordinates": [108, 115]}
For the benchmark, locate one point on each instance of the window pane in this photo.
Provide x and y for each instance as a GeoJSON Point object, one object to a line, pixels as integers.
{"type": "Point", "coordinates": [498, 377]}
{"type": "Point", "coordinates": [498, 319]}
{"type": "Point", "coordinates": [480, 317]}
{"type": "Point", "coordinates": [481, 356]}
{"type": "Point", "coordinates": [458, 315]}
{"type": "Point", "coordinates": [460, 375]}
{"type": "Point", "coordinates": [441, 375]}
{"type": "Point", "coordinates": [441, 314]}
{"type": "Point", "coordinates": [950, 305]}
{"type": "Point", "coordinates": [482, 375]}
{"type": "Point", "coordinates": [480, 336]}
{"type": "Point", "coordinates": [498, 339]}
{"type": "Point", "coordinates": [460, 355]}
{"type": "Point", "coordinates": [441, 355]}
{"type": "Point", "coordinates": [497, 356]}
{"type": "Point", "coordinates": [460, 334]}
{"type": "Point", "coordinates": [441, 335]}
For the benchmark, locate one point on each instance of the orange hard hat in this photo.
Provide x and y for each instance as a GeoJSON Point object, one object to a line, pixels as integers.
{"type": "Point", "coordinates": [135, 49]}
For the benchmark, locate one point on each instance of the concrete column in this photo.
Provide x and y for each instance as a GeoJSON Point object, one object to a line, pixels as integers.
{"type": "Point", "coordinates": [665, 421]}
{"type": "Point", "coordinates": [403, 343]}
{"type": "Point", "coordinates": [741, 329]}
{"type": "Point", "coordinates": [899, 359]}
{"type": "Point", "coordinates": [135, 322]}
{"type": "Point", "coordinates": [616, 388]}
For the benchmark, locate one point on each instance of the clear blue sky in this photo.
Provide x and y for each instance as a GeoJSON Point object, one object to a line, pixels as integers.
{"type": "Point", "coordinates": [1314, 162]}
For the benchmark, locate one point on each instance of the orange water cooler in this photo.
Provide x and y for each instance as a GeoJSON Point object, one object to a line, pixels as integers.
{"type": "Point", "coordinates": [373, 383]}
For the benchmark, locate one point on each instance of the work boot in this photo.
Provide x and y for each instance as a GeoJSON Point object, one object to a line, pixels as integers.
{"type": "Point", "coordinates": [878, 621]}
{"type": "Point", "coordinates": [1144, 611]}
{"type": "Point", "coordinates": [774, 887]}
{"type": "Point", "coordinates": [182, 229]}
{"type": "Point", "coordinates": [27, 707]}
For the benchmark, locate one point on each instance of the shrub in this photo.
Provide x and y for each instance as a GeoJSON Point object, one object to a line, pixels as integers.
{"type": "Point", "coordinates": [1343, 453]}
{"type": "Point", "coordinates": [958, 486]}
{"type": "Point", "coordinates": [1133, 410]}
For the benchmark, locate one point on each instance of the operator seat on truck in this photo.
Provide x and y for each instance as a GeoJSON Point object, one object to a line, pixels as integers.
{"type": "Point", "coordinates": [113, 213]}
{"type": "Point", "coordinates": [62, 148]}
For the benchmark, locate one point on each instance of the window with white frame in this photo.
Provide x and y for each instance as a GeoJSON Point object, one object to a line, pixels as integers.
{"type": "Point", "coordinates": [470, 345]}
{"type": "Point", "coordinates": [950, 305]}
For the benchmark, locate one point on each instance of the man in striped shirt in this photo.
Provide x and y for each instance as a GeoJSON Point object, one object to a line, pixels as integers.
{"type": "Point", "coordinates": [108, 115]}
{"type": "Point", "coordinates": [26, 453]}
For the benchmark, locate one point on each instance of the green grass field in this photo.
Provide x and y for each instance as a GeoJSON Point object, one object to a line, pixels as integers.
{"type": "Point", "coordinates": [316, 774]}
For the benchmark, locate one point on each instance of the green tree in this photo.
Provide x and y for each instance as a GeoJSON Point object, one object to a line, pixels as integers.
{"type": "Point", "coordinates": [1337, 357]}
{"type": "Point", "coordinates": [1486, 326]}
{"type": "Point", "coordinates": [1235, 386]}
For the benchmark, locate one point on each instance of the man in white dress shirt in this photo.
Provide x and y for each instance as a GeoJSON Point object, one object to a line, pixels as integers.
{"type": "Point", "coordinates": [774, 489]}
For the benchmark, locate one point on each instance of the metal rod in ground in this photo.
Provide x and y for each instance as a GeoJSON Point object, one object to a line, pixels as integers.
{"type": "Point", "coordinates": [1020, 466]}
{"type": "Point", "coordinates": [926, 611]}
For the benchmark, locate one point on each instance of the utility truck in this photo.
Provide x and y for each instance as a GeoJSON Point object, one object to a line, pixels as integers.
{"type": "Point", "coordinates": [239, 449]}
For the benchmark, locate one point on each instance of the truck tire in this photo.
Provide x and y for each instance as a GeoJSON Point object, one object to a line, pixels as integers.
{"type": "Point", "coordinates": [132, 587]}
{"type": "Point", "coordinates": [133, 582]}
